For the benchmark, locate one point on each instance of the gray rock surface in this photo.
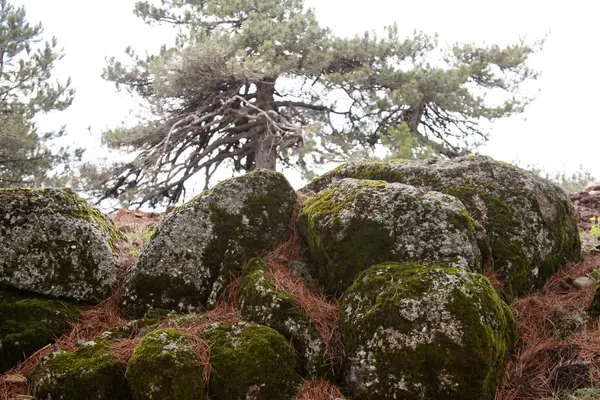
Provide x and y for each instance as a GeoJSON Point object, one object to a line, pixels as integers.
{"type": "Point", "coordinates": [54, 243]}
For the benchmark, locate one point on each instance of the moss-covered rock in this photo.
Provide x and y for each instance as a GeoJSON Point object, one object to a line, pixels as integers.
{"type": "Point", "coordinates": [352, 224]}
{"type": "Point", "coordinates": [594, 309]}
{"type": "Point", "coordinates": [89, 373]}
{"type": "Point", "coordinates": [525, 223]}
{"type": "Point", "coordinates": [568, 320]}
{"type": "Point", "coordinates": [28, 325]}
{"type": "Point", "coordinates": [261, 302]}
{"type": "Point", "coordinates": [250, 362]}
{"type": "Point", "coordinates": [196, 249]}
{"type": "Point", "coordinates": [164, 367]}
{"type": "Point", "coordinates": [60, 246]}
{"type": "Point", "coordinates": [415, 331]}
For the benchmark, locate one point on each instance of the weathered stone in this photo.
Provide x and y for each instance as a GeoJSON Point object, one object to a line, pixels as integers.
{"type": "Point", "coordinates": [567, 321]}
{"type": "Point", "coordinates": [28, 325]}
{"type": "Point", "coordinates": [595, 306]}
{"type": "Point", "coordinates": [196, 249]}
{"type": "Point", "coordinates": [164, 366]}
{"type": "Point", "coordinates": [261, 302]}
{"type": "Point", "coordinates": [353, 224]}
{"type": "Point", "coordinates": [89, 373]}
{"type": "Point", "coordinates": [525, 223]}
{"type": "Point", "coordinates": [250, 362]}
{"type": "Point", "coordinates": [54, 243]}
{"type": "Point", "coordinates": [584, 282]}
{"type": "Point", "coordinates": [414, 331]}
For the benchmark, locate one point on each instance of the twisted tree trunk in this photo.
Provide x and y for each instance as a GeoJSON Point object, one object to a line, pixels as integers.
{"type": "Point", "coordinates": [265, 153]}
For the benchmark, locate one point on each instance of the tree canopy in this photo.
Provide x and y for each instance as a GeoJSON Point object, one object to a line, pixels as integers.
{"type": "Point", "coordinates": [248, 84]}
{"type": "Point", "coordinates": [25, 91]}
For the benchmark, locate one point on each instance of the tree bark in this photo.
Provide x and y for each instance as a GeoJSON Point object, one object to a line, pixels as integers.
{"type": "Point", "coordinates": [266, 142]}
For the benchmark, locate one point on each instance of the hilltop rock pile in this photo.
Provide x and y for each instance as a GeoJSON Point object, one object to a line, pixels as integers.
{"type": "Point", "coordinates": [396, 251]}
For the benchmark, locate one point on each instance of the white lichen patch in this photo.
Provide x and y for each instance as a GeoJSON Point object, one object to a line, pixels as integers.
{"type": "Point", "coordinates": [58, 245]}
{"type": "Point", "coordinates": [385, 222]}
{"type": "Point", "coordinates": [196, 250]}
{"type": "Point", "coordinates": [397, 314]}
{"type": "Point", "coordinates": [528, 221]}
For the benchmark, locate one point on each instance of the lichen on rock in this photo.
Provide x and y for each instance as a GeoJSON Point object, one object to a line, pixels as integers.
{"type": "Point", "coordinates": [527, 224]}
{"type": "Point", "coordinates": [354, 223]}
{"type": "Point", "coordinates": [415, 331]}
{"type": "Point", "coordinates": [164, 366]}
{"type": "Point", "coordinates": [60, 246]}
{"type": "Point", "coordinates": [195, 250]}
{"type": "Point", "coordinates": [250, 362]}
{"type": "Point", "coordinates": [261, 302]}
{"type": "Point", "coordinates": [90, 372]}
{"type": "Point", "coordinates": [27, 325]}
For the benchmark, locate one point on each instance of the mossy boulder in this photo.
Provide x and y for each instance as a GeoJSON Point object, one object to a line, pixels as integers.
{"type": "Point", "coordinates": [354, 223]}
{"type": "Point", "coordinates": [594, 309]}
{"type": "Point", "coordinates": [89, 373]}
{"type": "Point", "coordinates": [415, 331]}
{"type": "Point", "coordinates": [526, 224]}
{"type": "Point", "coordinates": [195, 250]}
{"type": "Point", "coordinates": [261, 302]}
{"type": "Point", "coordinates": [27, 325]}
{"type": "Point", "coordinates": [250, 362]}
{"type": "Point", "coordinates": [60, 246]}
{"type": "Point", "coordinates": [164, 366]}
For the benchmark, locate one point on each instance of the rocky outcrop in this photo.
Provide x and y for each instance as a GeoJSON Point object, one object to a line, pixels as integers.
{"type": "Point", "coordinates": [399, 246]}
{"type": "Point", "coordinates": [415, 331]}
{"type": "Point", "coordinates": [55, 244]}
{"type": "Point", "coordinates": [196, 249]}
{"type": "Point", "coordinates": [353, 224]}
{"type": "Point", "coordinates": [526, 224]}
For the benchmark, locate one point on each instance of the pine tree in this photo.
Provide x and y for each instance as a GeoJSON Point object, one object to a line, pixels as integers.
{"type": "Point", "coordinates": [25, 91]}
{"type": "Point", "coordinates": [253, 82]}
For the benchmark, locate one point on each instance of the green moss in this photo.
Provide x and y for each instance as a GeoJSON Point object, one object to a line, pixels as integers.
{"type": "Point", "coordinates": [164, 366]}
{"type": "Point", "coordinates": [250, 362]}
{"type": "Point", "coordinates": [494, 193]}
{"type": "Point", "coordinates": [30, 324]}
{"type": "Point", "coordinates": [568, 245]}
{"type": "Point", "coordinates": [595, 306]}
{"type": "Point", "coordinates": [65, 202]}
{"type": "Point", "coordinates": [90, 372]}
{"type": "Point", "coordinates": [368, 241]}
{"type": "Point", "coordinates": [433, 331]}
{"type": "Point", "coordinates": [261, 302]}
{"type": "Point", "coordinates": [262, 221]}
{"type": "Point", "coordinates": [463, 221]}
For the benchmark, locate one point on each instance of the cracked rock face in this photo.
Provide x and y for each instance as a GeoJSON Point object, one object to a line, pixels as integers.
{"type": "Point", "coordinates": [526, 224]}
{"type": "Point", "coordinates": [354, 223]}
{"type": "Point", "coordinates": [194, 251]}
{"type": "Point", "coordinates": [415, 331]}
{"type": "Point", "coordinates": [54, 243]}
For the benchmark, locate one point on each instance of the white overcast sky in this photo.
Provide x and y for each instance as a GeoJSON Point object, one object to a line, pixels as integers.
{"type": "Point", "coordinates": [558, 131]}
